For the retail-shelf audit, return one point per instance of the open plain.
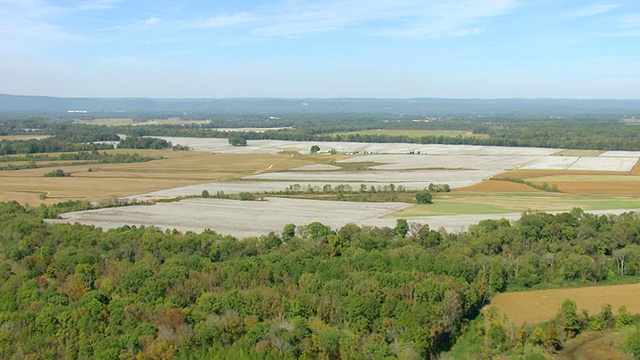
(273, 166)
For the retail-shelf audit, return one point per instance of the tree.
(402, 227)
(569, 319)
(314, 149)
(423, 197)
(237, 140)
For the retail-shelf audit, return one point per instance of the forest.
(75, 291)
(500, 131)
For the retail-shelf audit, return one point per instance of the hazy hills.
(40, 105)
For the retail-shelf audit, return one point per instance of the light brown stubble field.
(178, 168)
(533, 307)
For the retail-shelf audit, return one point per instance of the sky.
(321, 48)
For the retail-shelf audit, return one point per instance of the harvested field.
(575, 152)
(179, 168)
(317, 167)
(533, 307)
(498, 186)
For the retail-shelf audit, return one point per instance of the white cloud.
(409, 17)
(40, 20)
(220, 21)
(151, 21)
(97, 5)
(595, 9)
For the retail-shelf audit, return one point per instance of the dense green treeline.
(76, 291)
(78, 158)
(549, 134)
(47, 145)
(566, 133)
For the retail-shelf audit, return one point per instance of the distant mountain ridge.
(40, 105)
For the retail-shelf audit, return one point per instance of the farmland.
(273, 166)
(325, 265)
(533, 307)
(105, 181)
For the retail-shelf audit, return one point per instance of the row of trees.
(568, 133)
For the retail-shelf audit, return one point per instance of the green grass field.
(497, 203)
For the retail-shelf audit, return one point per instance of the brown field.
(497, 186)
(533, 307)
(583, 153)
(178, 168)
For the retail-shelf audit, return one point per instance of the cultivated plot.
(533, 307)
(254, 218)
(455, 178)
(604, 162)
(240, 218)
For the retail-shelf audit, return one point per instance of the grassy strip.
(544, 187)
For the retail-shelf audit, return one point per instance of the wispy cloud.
(150, 21)
(629, 21)
(626, 26)
(40, 20)
(429, 18)
(97, 5)
(595, 9)
(220, 21)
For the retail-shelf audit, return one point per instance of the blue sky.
(321, 48)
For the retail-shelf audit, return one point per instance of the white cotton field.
(276, 146)
(455, 165)
(445, 161)
(240, 218)
(254, 218)
(597, 163)
(235, 187)
(455, 178)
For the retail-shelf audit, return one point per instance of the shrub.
(57, 173)
(423, 197)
